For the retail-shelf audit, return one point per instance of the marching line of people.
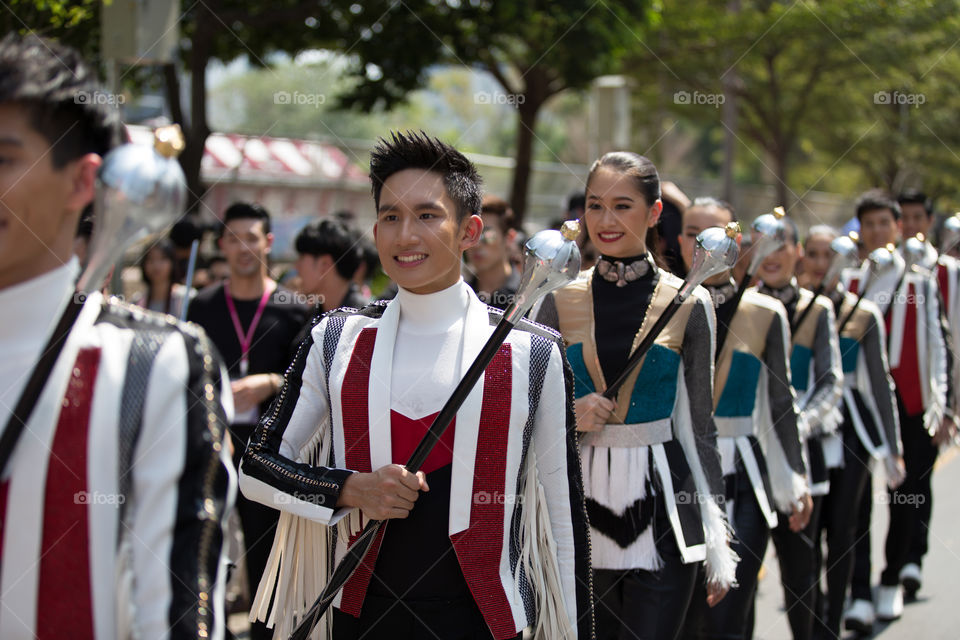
(551, 507)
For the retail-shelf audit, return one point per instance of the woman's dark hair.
(646, 180)
(166, 247)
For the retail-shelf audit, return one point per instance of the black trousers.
(909, 500)
(797, 555)
(728, 619)
(645, 605)
(259, 524)
(392, 619)
(848, 485)
(860, 584)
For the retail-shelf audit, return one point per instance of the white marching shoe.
(860, 617)
(911, 579)
(889, 602)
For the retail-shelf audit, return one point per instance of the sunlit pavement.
(935, 615)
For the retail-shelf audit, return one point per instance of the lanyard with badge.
(246, 339)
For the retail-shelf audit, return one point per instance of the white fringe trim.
(830, 424)
(787, 485)
(298, 566)
(932, 418)
(539, 560)
(721, 562)
(622, 482)
(125, 579)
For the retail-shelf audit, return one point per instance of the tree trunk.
(729, 82)
(197, 137)
(729, 116)
(195, 131)
(780, 163)
(526, 126)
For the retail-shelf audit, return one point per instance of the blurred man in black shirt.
(253, 323)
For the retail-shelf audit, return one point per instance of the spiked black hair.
(61, 96)
(412, 150)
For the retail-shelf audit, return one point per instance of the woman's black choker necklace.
(786, 294)
(620, 272)
(721, 293)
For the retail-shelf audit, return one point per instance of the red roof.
(265, 159)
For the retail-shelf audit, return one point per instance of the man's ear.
(325, 263)
(511, 236)
(470, 230)
(655, 210)
(83, 181)
(269, 242)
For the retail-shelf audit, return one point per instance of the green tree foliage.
(808, 80)
(75, 23)
(535, 50)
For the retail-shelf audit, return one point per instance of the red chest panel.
(907, 373)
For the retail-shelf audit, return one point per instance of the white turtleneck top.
(429, 344)
(31, 309)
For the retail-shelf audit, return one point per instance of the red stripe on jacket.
(356, 436)
(907, 374)
(65, 593)
(480, 545)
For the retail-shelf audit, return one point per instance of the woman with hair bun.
(651, 468)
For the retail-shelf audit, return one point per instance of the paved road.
(936, 613)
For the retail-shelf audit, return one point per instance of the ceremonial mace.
(879, 262)
(715, 252)
(139, 190)
(551, 260)
(769, 234)
(950, 234)
(914, 252)
(845, 255)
